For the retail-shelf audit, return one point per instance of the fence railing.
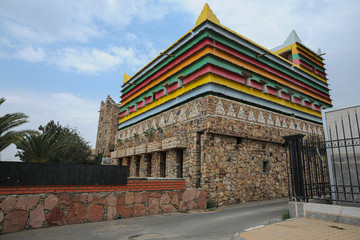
(325, 170)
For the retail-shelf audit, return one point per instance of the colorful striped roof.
(214, 59)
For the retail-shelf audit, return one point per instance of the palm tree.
(8, 122)
(39, 147)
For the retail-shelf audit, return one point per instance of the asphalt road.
(221, 223)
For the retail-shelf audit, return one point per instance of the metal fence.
(326, 170)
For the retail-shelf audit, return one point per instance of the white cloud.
(48, 21)
(31, 54)
(94, 61)
(90, 61)
(65, 108)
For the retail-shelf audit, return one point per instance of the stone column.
(171, 157)
(155, 164)
(192, 161)
(143, 166)
(132, 167)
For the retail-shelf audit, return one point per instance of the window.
(162, 164)
(137, 166)
(180, 161)
(101, 118)
(287, 55)
(266, 166)
(99, 135)
(148, 166)
(238, 140)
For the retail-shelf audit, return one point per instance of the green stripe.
(272, 64)
(308, 61)
(165, 62)
(237, 47)
(223, 64)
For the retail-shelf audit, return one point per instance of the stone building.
(213, 108)
(107, 127)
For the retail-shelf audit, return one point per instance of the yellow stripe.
(295, 50)
(294, 46)
(229, 58)
(169, 72)
(211, 78)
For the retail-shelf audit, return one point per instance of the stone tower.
(107, 127)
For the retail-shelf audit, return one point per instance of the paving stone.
(175, 200)
(139, 210)
(138, 197)
(56, 217)
(168, 208)
(155, 195)
(154, 206)
(192, 205)
(124, 211)
(64, 201)
(95, 212)
(129, 198)
(146, 197)
(50, 202)
(80, 198)
(99, 200)
(15, 221)
(120, 199)
(27, 202)
(111, 200)
(76, 213)
(37, 217)
(8, 204)
(111, 212)
(164, 199)
(188, 195)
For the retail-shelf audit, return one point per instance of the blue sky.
(59, 59)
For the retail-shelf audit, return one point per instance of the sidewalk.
(301, 228)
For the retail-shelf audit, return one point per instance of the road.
(221, 223)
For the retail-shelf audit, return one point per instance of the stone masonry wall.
(232, 150)
(30, 211)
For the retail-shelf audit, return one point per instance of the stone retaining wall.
(30, 211)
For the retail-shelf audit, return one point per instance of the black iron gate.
(325, 170)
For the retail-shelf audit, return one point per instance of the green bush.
(210, 203)
(285, 215)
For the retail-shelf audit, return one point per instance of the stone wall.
(232, 150)
(30, 211)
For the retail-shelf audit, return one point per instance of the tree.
(77, 150)
(7, 123)
(39, 147)
(56, 144)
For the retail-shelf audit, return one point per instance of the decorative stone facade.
(107, 127)
(232, 150)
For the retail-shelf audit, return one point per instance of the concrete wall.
(333, 213)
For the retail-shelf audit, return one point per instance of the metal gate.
(325, 170)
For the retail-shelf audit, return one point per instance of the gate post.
(294, 145)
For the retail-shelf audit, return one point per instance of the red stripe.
(228, 50)
(167, 67)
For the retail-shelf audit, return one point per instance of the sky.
(60, 59)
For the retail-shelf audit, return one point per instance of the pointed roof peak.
(207, 14)
(126, 77)
(292, 38)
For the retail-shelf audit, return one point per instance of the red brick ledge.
(133, 184)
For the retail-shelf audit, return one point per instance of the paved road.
(219, 224)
